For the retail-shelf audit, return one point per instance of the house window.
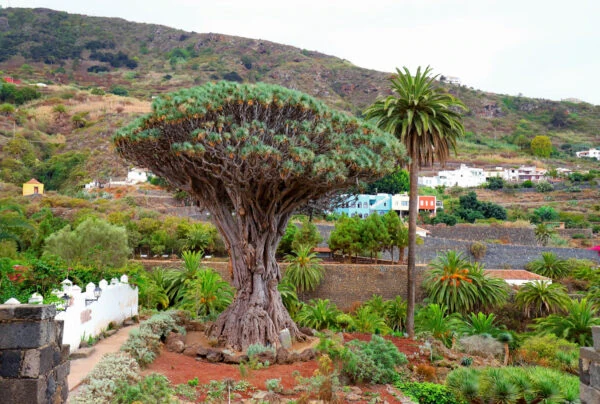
(385, 204)
(36, 190)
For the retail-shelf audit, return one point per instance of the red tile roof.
(33, 181)
(515, 274)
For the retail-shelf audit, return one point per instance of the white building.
(591, 153)
(464, 177)
(137, 175)
(524, 173)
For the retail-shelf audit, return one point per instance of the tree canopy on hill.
(252, 154)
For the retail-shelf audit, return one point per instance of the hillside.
(82, 57)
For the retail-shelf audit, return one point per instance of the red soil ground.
(179, 369)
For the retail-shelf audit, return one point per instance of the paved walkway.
(81, 367)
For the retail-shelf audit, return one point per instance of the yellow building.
(33, 187)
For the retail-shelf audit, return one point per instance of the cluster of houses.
(468, 177)
(363, 205)
(591, 153)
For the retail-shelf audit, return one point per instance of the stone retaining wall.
(344, 284)
(33, 363)
(523, 236)
(498, 256)
(589, 371)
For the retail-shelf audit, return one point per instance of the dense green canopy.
(256, 134)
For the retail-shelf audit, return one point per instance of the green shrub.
(256, 349)
(543, 187)
(478, 250)
(154, 388)
(527, 184)
(274, 385)
(372, 362)
(101, 383)
(428, 393)
(143, 343)
(512, 385)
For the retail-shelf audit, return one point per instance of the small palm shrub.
(435, 320)
(318, 314)
(372, 362)
(304, 270)
(512, 385)
(539, 298)
(395, 313)
(479, 323)
(176, 278)
(550, 266)
(206, 294)
(369, 321)
(575, 326)
(289, 297)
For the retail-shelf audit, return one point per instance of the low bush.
(154, 388)
(100, 385)
(428, 393)
(372, 362)
(256, 349)
(549, 350)
(481, 345)
(512, 385)
(478, 250)
(143, 344)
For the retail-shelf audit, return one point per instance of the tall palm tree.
(462, 286)
(428, 122)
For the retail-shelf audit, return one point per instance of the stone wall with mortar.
(589, 371)
(507, 235)
(344, 284)
(33, 363)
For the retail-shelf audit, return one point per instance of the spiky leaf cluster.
(265, 136)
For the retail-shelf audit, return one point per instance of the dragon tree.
(251, 155)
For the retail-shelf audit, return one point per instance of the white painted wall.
(118, 302)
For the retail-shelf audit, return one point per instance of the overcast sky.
(540, 48)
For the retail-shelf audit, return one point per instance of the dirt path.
(81, 367)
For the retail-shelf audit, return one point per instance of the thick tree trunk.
(413, 206)
(257, 314)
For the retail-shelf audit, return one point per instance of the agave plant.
(318, 314)
(575, 326)
(207, 294)
(540, 298)
(550, 265)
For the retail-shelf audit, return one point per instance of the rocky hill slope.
(82, 57)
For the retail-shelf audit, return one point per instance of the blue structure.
(363, 205)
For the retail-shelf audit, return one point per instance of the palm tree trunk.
(413, 206)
